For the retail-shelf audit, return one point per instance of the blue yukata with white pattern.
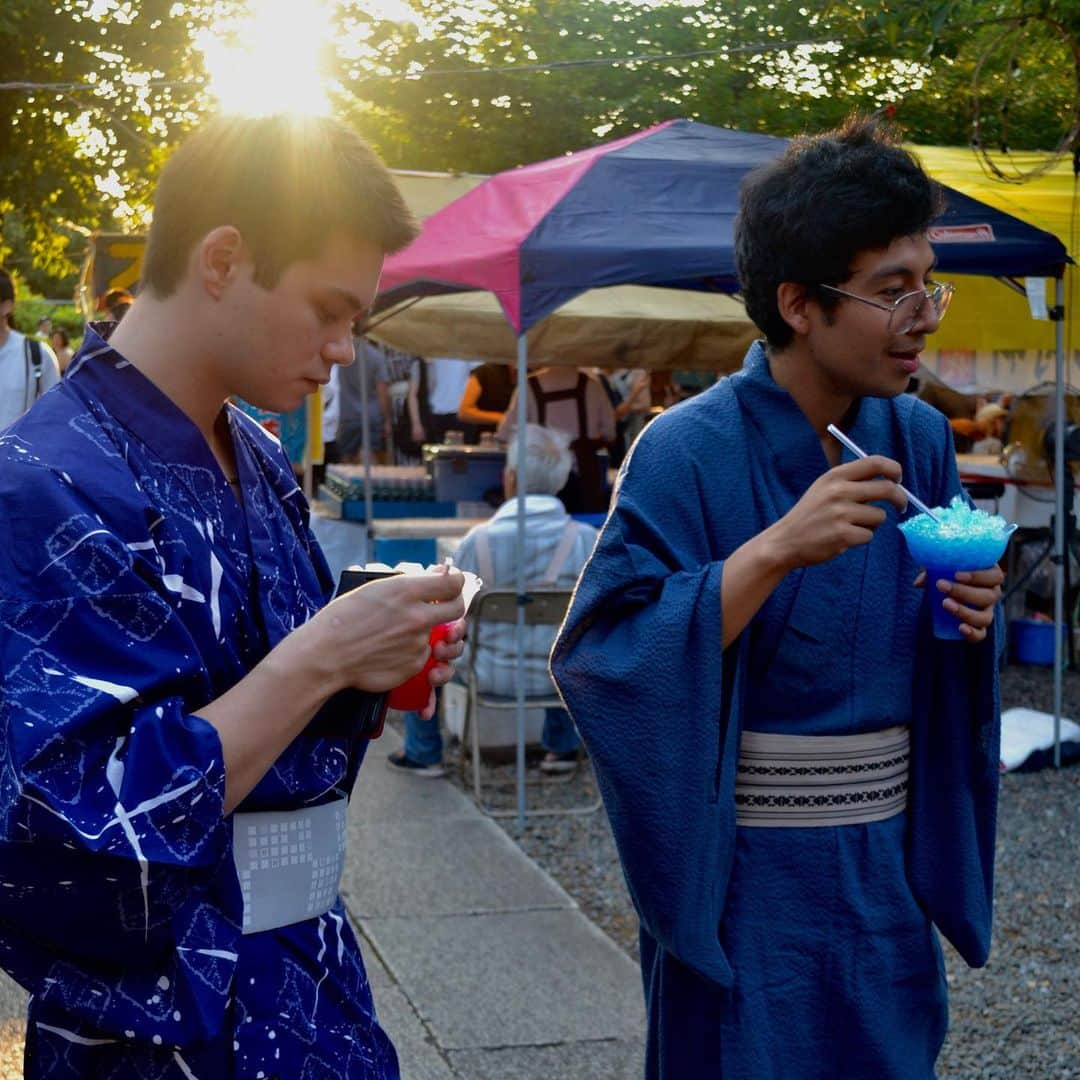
(134, 589)
(781, 953)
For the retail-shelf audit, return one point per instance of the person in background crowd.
(182, 699)
(27, 366)
(556, 548)
(486, 396)
(964, 432)
(435, 389)
(351, 394)
(331, 416)
(633, 388)
(393, 371)
(117, 302)
(801, 778)
(44, 328)
(990, 421)
(574, 402)
(687, 384)
(61, 348)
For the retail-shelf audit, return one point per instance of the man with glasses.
(801, 779)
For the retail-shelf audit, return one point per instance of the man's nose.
(928, 319)
(339, 350)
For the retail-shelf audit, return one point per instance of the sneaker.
(553, 764)
(400, 763)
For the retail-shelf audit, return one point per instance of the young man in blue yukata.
(184, 713)
(801, 779)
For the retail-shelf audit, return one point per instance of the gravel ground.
(1013, 1020)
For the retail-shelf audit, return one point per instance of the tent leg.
(522, 599)
(365, 444)
(1062, 475)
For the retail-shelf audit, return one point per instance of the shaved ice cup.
(965, 539)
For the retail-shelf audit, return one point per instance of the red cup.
(412, 695)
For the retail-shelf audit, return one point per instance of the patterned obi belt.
(802, 781)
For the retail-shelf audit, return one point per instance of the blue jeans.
(423, 740)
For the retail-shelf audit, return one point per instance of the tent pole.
(365, 442)
(1062, 475)
(522, 599)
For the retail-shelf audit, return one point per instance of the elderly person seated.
(556, 549)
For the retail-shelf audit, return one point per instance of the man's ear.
(218, 257)
(793, 301)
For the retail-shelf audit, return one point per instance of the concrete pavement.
(481, 965)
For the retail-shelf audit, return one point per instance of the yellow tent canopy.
(990, 339)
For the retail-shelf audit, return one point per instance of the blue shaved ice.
(966, 538)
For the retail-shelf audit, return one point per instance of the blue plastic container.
(1031, 641)
(394, 549)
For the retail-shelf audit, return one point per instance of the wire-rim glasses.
(904, 311)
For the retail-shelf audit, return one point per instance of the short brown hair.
(286, 183)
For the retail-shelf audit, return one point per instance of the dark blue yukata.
(134, 589)
(781, 953)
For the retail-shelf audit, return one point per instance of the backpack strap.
(541, 400)
(32, 363)
(484, 564)
(561, 554)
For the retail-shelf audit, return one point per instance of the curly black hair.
(806, 216)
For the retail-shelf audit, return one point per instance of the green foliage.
(108, 113)
(917, 60)
(64, 316)
(511, 81)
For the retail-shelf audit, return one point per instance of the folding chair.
(546, 607)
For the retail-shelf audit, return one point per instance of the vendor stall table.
(1029, 505)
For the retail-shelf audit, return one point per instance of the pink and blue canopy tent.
(654, 208)
(658, 208)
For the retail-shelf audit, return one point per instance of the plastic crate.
(393, 550)
(355, 510)
(465, 473)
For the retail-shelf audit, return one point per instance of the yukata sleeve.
(956, 741)
(112, 834)
(639, 664)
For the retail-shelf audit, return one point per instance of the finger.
(855, 536)
(444, 611)
(425, 588)
(436, 586)
(456, 632)
(869, 467)
(428, 711)
(440, 674)
(877, 491)
(972, 634)
(993, 575)
(868, 517)
(448, 650)
(980, 618)
(920, 580)
(971, 594)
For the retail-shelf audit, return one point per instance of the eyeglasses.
(905, 311)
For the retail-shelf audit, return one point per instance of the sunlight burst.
(269, 59)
